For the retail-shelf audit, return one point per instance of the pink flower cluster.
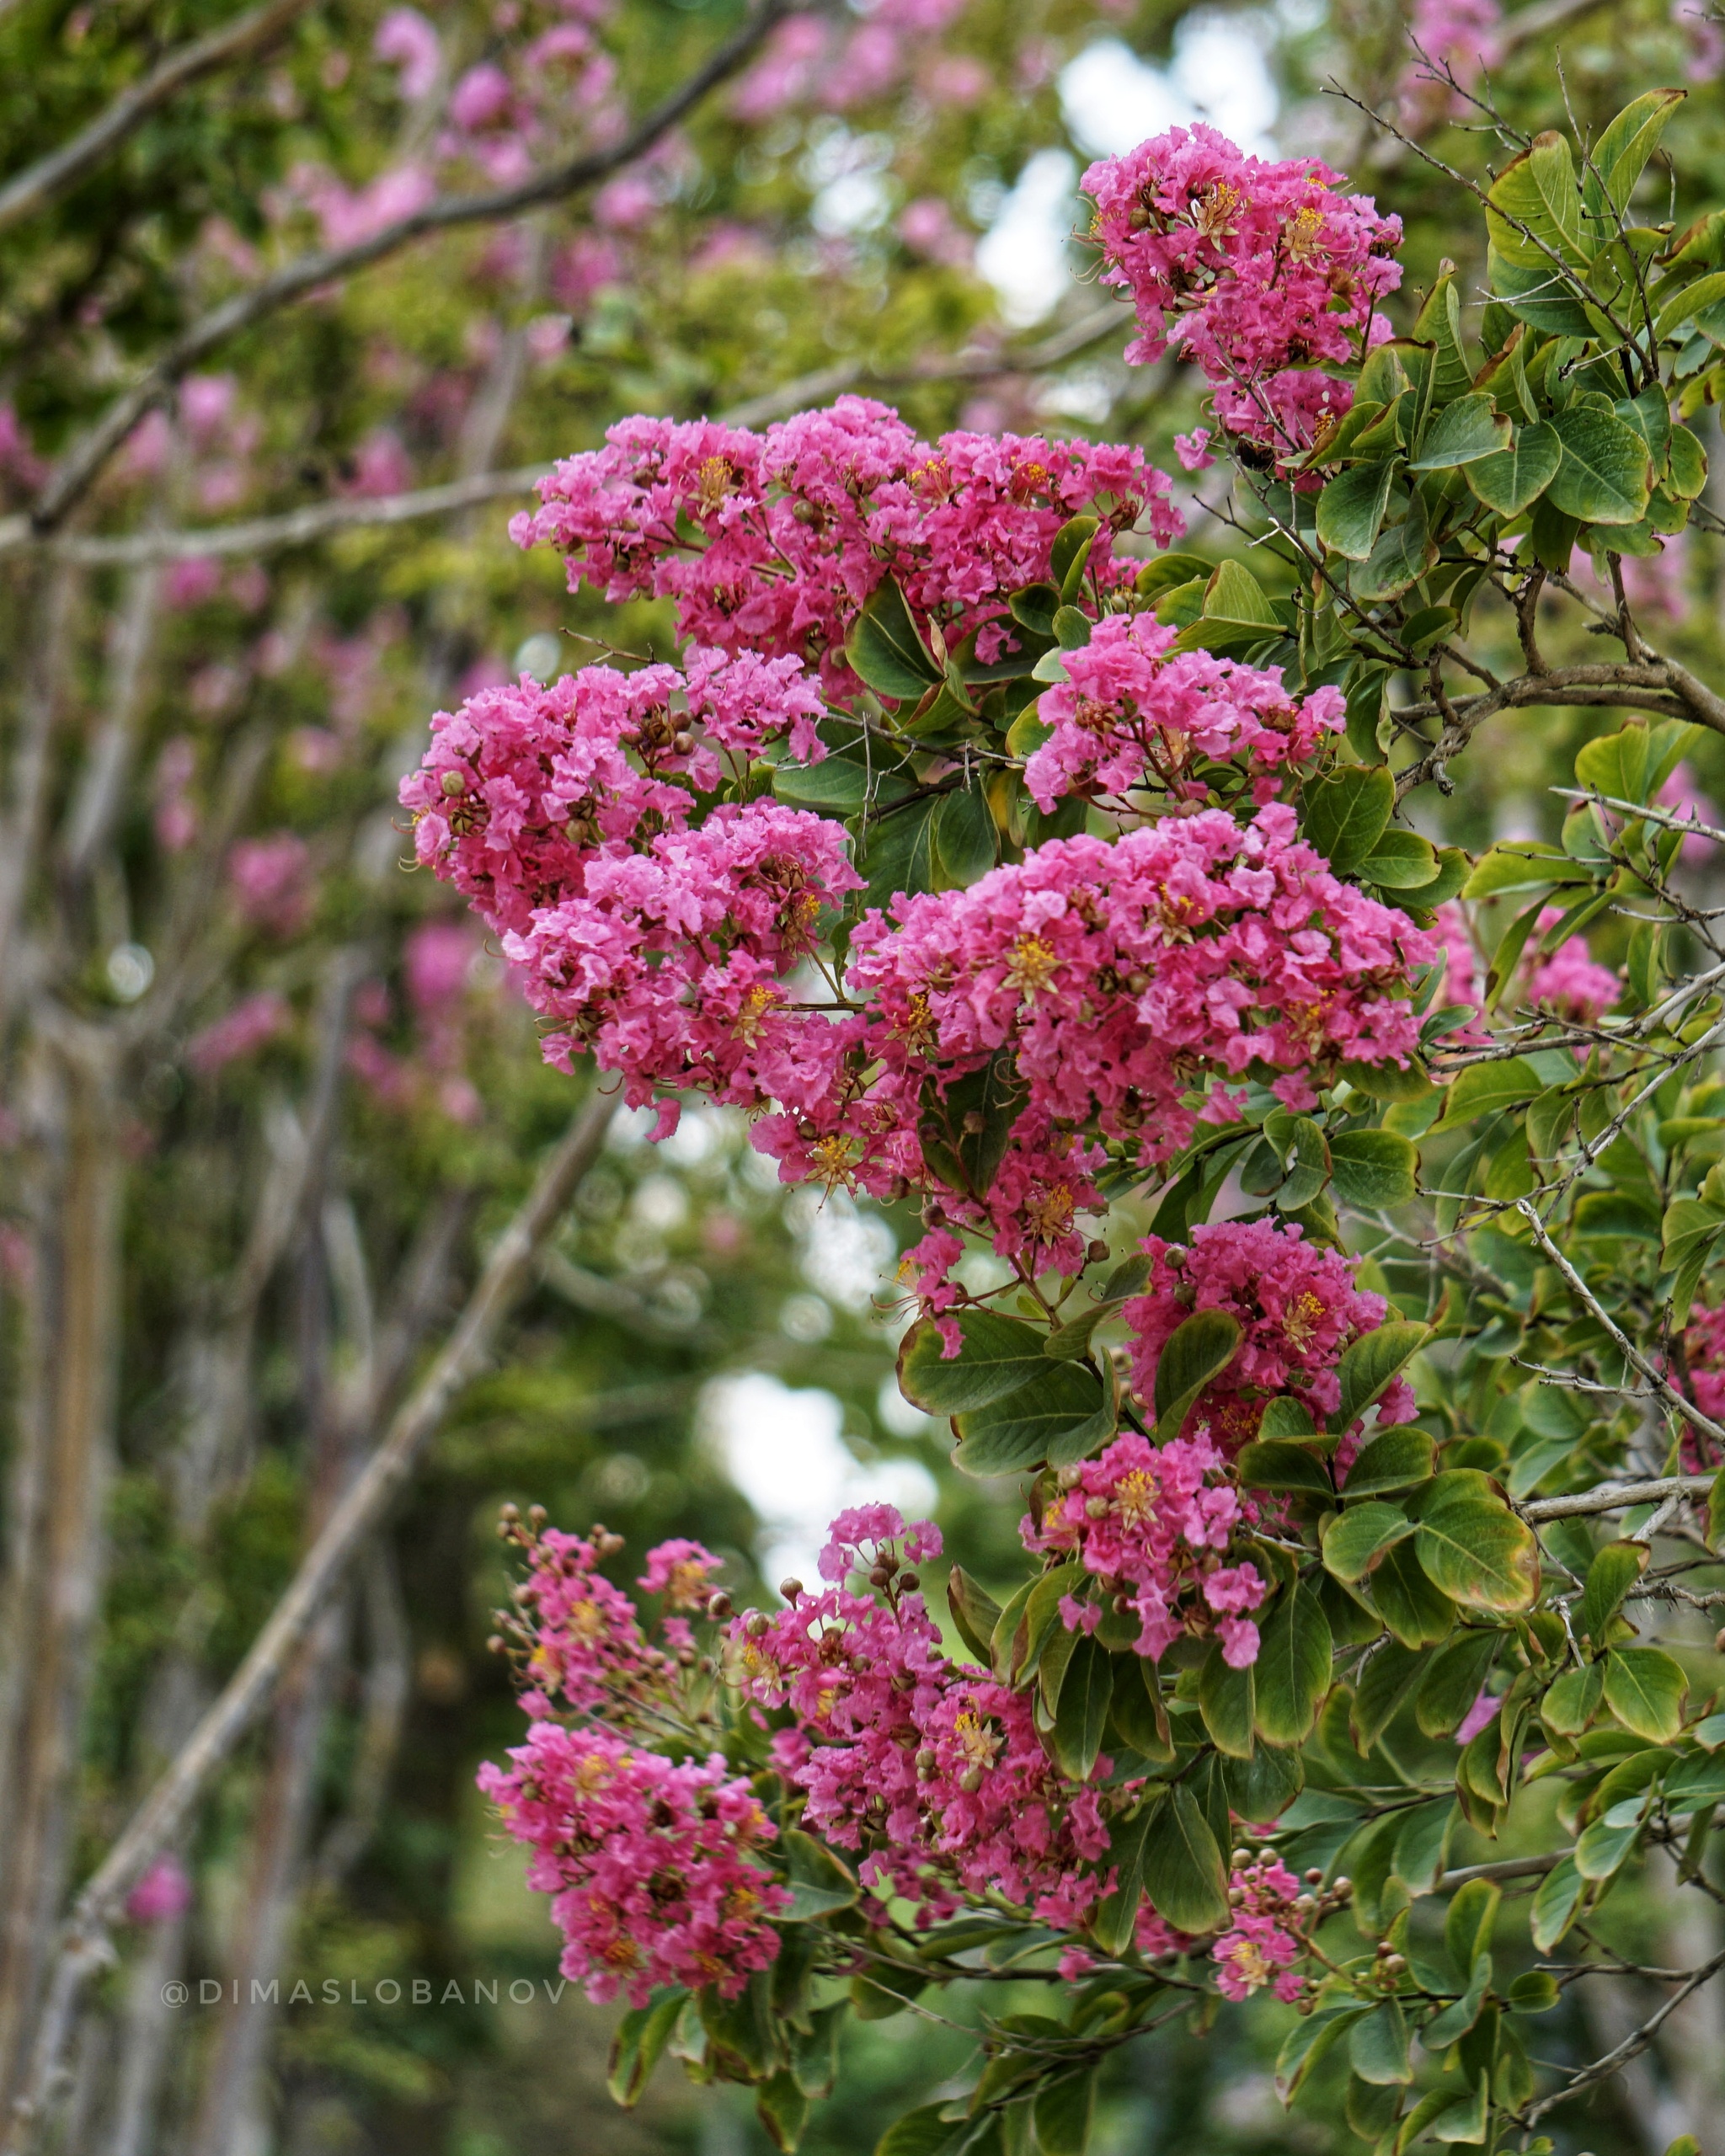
(1704, 1351)
(648, 1861)
(1129, 716)
(1151, 1523)
(1299, 1312)
(1260, 272)
(929, 1765)
(1265, 1940)
(589, 1655)
(773, 542)
(1570, 983)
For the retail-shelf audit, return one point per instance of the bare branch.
(84, 1945)
(1615, 1496)
(78, 469)
(37, 185)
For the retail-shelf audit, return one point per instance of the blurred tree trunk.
(65, 1447)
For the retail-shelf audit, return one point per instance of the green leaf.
(974, 1612)
(1512, 478)
(1377, 2046)
(1389, 1081)
(1523, 865)
(1466, 431)
(996, 1356)
(636, 2048)
(1069, 553)
(1486, 1088)
(1285, 1417)
(1016, 1432)
(1062, 2111)
(1533, 206)
(924, 2131)
(1083, 1711)
(1606, 474)
(1113, 1922)
(965, 838)
(1237, 612)
(1571, 1703)
(1604, 1846)
(1369, 1364)
(1224, 1700)
(1423, 1842)
(1404, 551)
(1166, 573)
(1647, 1691)
(1688, 465)
(885, 648)
(1395, 1458)
(1294, 1669)
(1372, 1168)
(1305, 2044)
(1198, 1349)
(1350, 510)
(897, 853)
(1263, 1786)
(1184, 1874)
(1452, 1683)
(967, 1124)
(820, 1882)
(1620, 155)
(1418, 1612)
(1403, 861)
(1539, 294)
(1473, 1547)
(1556, 1904)
(1354, 1538)
(1343, 814)
(1387, 1679)
(782, 2109)
(1274, 1464)
(1614, 1571)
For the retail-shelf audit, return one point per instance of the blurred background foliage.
(699, 1355)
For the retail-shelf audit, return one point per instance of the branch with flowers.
(1355, 1220)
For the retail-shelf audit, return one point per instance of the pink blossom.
(241, 1033)
(1150, 1519)
(1193, 449)
(190, 582)
(648, 1861)
(161, 1893)
(1480, 1715)
(437, 960)
(405, 39)
(481, 98)
(269, 878)
(382, 466)
(678, 1570)
(176, 818)
(1704, 37)
(927, 227)
(1568, 982)
(1257, 272)
(1264, 1941)
(1298, 1309)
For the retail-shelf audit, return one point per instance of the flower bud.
(1314, 1877)
(1097, 1252)
(757, 1627)
(880, 1575)
(1241, 1858)
(453, 784)
(1394, 1964)
(970, 1780)
(494, 1645)
(908, 1583)
(790, 1590)
(1122, 1604)
(1343, 1888)
(926, 1762)
(537, 1516)
(718, 1605)
(1236, 1896)
(683, 744)
(1095, 1508)
(1070, 1476)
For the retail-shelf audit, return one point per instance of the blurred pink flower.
(176, 819)
(190, 583)
(581, 267)
(268, 879)
(206, 401)
(785, 72)
(1706, 40)
(871, 62)
(164, 1892)
(405, 39)
(955, 78)
(927, 228)
(481, 98)
(381, 465)
(435, 962)
(347, 215)
(243, 1031)
(627, 202)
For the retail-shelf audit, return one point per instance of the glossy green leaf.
(1199, 1348)
(638, 2044)
(974, 1612)
(1343, 815)
(1372, 1168)
(1351, 509)
(1016, 1432)
(1378, 2045)
(1082, 1713)
(1620, 156)
(1467, 430)
(1486, 1088)
(1453, 1680)
(1472, 1547)
(996, 1356)
(1395, 1458)
(1062, 2112)
(1237, 612)
(1404, 551)
(1511, 479)
(886, 649)
(1647, 1691)
(1224, 1700)
(1279, 1464)
(1369, 1365)
(1352, 1539)
(1556, 1904)
(1605, 475)
(965, 837)
(1294, 1668)
(1614, 1571)
(1183, 1873)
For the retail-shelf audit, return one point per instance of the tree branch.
(80, 466)
(37, 185)
(84, 1945)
